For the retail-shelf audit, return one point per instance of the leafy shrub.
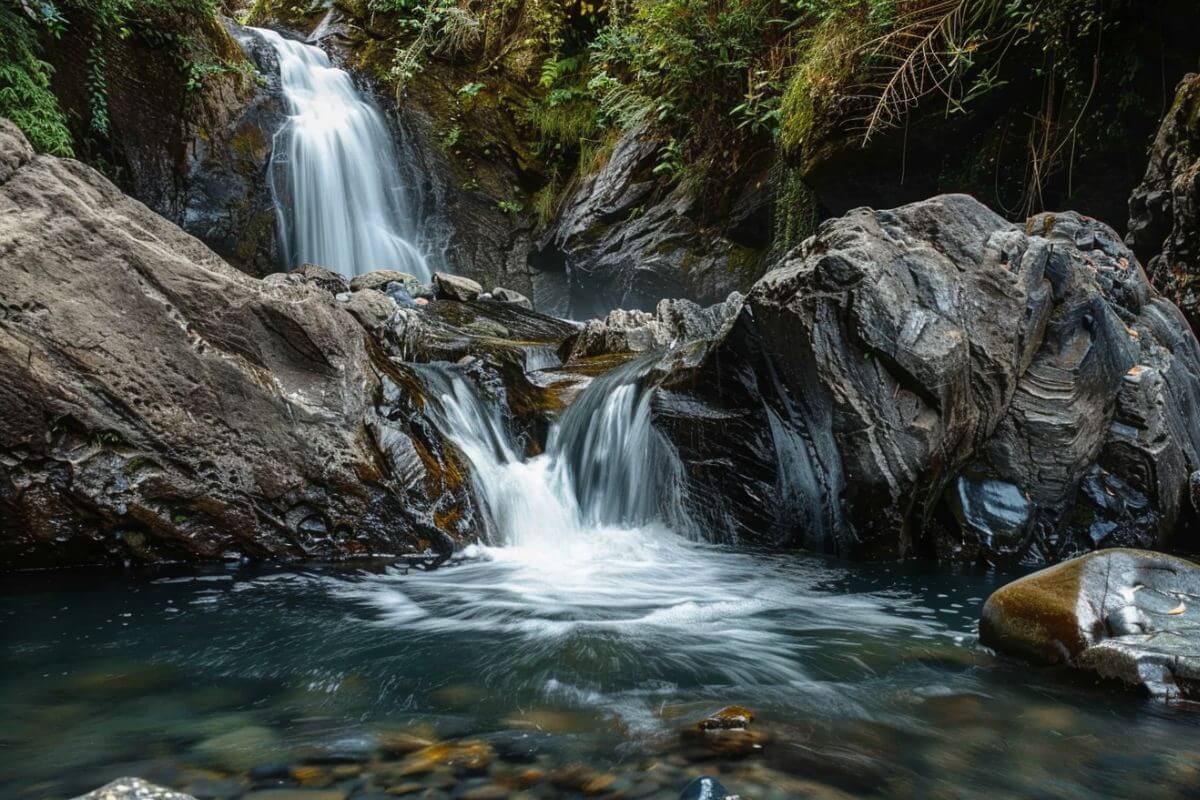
(25, 95)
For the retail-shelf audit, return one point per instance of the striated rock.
(456, 287)
(933, 380)
(133, 789)
(624, 244)
(1164, 211)
(160, 405)
(1128, 615)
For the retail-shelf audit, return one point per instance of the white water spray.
(338, 192)
(605, 469)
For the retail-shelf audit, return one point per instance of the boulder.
(380, 279)
(370, 307)
(456, 287)
(933, 380)
(673, 321)
(1127, 615)
(1164, 211)
(510, 296)
(324, 279)
(159, 405)
(133, 789)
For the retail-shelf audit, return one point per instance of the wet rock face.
(160, 405)
(624, 244)
(934, 381)
(1129, 615)
(672, 322)
(197, 155)
(224, 196)
(1164, 211)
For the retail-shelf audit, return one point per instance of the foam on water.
(586, 556)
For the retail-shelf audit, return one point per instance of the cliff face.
(192, 143)
(1164, 211)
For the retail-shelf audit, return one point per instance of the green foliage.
(825, 63)
(25, 95)
(470, 89)
(796, 214)
(690, 64)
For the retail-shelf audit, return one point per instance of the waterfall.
(334, 175)
(604, 468)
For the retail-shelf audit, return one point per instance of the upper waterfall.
(334, 175)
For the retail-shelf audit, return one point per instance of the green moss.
(825, 65)
(796, 214)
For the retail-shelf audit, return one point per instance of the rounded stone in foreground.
(133, 789)
(1129, 615)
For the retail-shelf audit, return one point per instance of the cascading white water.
(338, 191)
(604, 468)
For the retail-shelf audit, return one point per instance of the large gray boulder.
(933, 380)
(1128, 615)
(1164, 211)
(160, 405)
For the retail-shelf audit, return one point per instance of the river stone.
(159, 405)
(704, 788)
(933, 380)
(728, 718)
(456, 287)
(333, 282)
(1124, 614)
(380, 278)
(370, 307)
(511, 296)
(1164, 211)
(133, 789)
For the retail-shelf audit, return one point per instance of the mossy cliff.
(600, 155)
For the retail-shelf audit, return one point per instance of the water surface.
(868, 679)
